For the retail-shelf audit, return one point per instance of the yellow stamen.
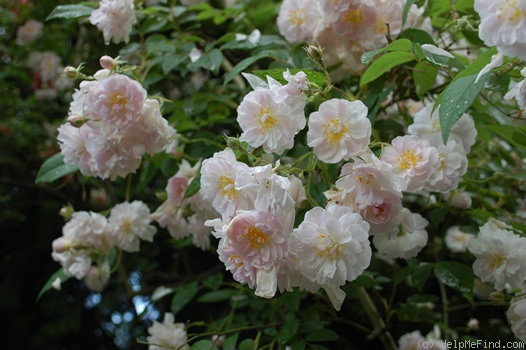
(256, 237)
(496, 260)
(226, 187)
(266, 118)
(296, 17)
(408, 160)
(334, 130)
(328, 247)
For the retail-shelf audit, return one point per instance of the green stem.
(379, 325)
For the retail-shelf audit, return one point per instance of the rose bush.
(286, 174)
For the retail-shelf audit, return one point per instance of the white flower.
(167, 335)
(296, 20)
(130, 222)
(457, 240)
(115, 18)
(405, 242)
(413, 159)
(218, 183)
(502, 25)
(98, 277)
(518, 91)
(500, 256)
(452, 165)
(426, 125)
(516, 315)
(270, 118)
(29, 32)
(331, 245)
(411, 341)
(339, 130)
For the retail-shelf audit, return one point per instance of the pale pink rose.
(98, 277)
(241, 269)
(258, 237)
(117, 100)
(167, 335)
(413, 159)
(366, 180)
(452, 165)
(518, 91)
(502, 25)
(339, 130)
(426, 125)
(115, 18)
(331, 245)
(155, 132)
(129, 223)
(218, 183)
(72, 142)
(406, 241)
(457, 240)
(500, 255)
(296, 84)
(516, 316)
(385, 216)
(270, 120)
(30, 31)
(297, 20)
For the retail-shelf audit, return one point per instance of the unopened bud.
(497, 297)
(71, 73)
(66, 212)
(473, 324)
(107, 62)
(76, 120)
(315, 52)
(218, 340)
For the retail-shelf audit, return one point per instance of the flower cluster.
(111, 125)
(83, 249)
(48, 77)
(115, 18)
(344, 29)
(167, 335)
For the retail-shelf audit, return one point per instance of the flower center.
(495, 261)
(127, 226)
(256, 237)
(408, 160)
(354, 16)
(296, 17)
(334, 130)
(226, 187)
(328, 247)
(511, 11)
(117, 99)
(266, 119)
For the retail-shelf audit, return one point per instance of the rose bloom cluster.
(257, 206)
(345, 29)
(84, 247)
(115, 18)
(111, 125)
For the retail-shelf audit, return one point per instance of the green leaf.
(424, 76)
(194, 186)
(420, 275)
(183, 295)
(54, 168)
(247, 344)
(244, 64)
(288, 330)
(384, 64)
(402, 45)
(218, 295)
(455, 275)
(440, 57)
(70, 12)
(457, 97)
(49, 284)
(211, 60)
(513, 134)
(322, 335)
(230, 342)
(203, 344)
